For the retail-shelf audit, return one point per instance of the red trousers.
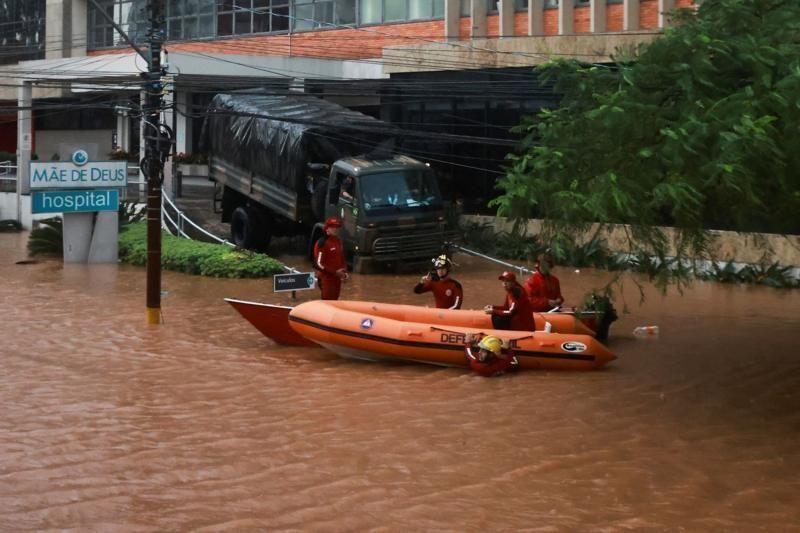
(330, 285)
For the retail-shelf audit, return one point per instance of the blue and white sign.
(367, 323)
(73, 175)
(75, 201)
(80, 157)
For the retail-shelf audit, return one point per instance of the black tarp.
(276, 136)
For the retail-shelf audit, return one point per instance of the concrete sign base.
(91, 237)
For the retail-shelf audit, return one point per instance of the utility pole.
(153, 161)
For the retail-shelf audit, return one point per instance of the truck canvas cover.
(275, 136)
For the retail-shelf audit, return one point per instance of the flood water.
(202, 423)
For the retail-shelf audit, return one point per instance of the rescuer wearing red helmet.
(447, 292)
(329, 260)
(516, 313)
(543, 288)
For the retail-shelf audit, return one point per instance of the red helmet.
(507, 276)
(333, 222)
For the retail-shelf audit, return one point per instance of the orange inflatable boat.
(377, 331)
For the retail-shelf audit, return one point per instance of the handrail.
(165, 201)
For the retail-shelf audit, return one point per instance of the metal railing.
(176, 223)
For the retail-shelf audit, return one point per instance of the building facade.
(456, 66)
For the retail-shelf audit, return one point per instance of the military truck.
(287, 163)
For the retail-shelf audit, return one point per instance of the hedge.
(195, 257)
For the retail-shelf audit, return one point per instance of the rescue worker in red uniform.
(543, 288)
(329, 261)
(489, 360)
(447, 292)
(516, 313)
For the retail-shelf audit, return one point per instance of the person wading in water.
(329, 261)
(447, 292)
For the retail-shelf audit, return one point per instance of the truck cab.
(391, 210)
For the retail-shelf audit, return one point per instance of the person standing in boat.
(487, 358)
(516, 313)
(543, 288)
(447, 292)
(329, 260)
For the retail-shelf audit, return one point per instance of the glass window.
(438, 8)
(394, 10)
(345, 11)
(520, 5)
(465, 7)
(419, 9)
(371, 11)
(491, 6)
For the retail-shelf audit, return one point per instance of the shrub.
(47, 238)
(195, 257)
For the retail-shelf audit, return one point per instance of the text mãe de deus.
(77, 175)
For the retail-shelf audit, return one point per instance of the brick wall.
(582, 19)
(648, 15)
(551, 21)
(614, 17)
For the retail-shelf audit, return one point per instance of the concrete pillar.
(535, 17)
(104, 245)
(477, 13)
(506, 18)
(597, 16)
(58, 29)
(80, 37)
(452, 19)
(24, 143)
(630, 15)
(566, 13)
(183, 121)
(78, 229)
(664, 7)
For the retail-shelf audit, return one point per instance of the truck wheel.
(249, 229)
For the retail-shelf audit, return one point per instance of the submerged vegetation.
(696, 131)
(47, 237)
(195, 257)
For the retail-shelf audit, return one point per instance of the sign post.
(296, 281)
(87, 193)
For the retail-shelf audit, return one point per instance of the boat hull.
(271, 320)
(364, 330)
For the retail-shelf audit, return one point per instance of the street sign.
(81, 201)
(301, 281)
(78, 174)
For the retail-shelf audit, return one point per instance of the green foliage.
(699, 132)
(47, 238)
(195, 257)
(772, 275)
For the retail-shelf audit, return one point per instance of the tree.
(699, 130)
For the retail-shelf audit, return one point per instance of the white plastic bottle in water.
(645, 331)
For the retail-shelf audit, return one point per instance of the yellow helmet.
(491, 343)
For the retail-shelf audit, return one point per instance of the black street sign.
(301, 281)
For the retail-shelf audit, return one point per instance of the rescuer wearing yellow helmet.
(490, 360)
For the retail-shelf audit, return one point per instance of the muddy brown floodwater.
(202, 423)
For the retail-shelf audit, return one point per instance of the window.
(377, 11)
(310, 14)
(190, 19)
(520, 5)
(130, 16)
(242, 17)
(492, 7)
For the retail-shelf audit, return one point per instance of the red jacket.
(494, 367)
(518, 307)
(447, 292)
(540, 289)
(329, 256)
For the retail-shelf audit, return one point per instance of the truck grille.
(414, 246)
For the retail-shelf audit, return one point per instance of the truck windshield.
(399, 189)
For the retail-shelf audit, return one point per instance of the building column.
(477, 14)
(80, 37)
(506, 18)
(24, 142)
(535, 17)
(630, 15)
(664, 7)
(597, 16)
(566, 13)
(452, 19)
(183, 121)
